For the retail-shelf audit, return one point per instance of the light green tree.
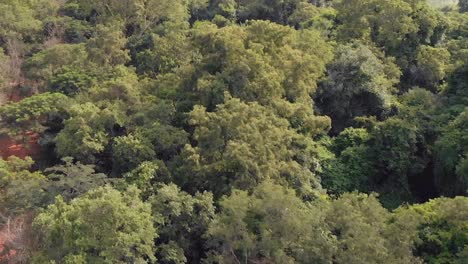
(108, 47)
(15, 177)
(272, 64)
(31, 113)
(129, 151)
(18, 19)
(399, 27)
(270, 225)
(433, 64)
(363, 233)
(102, 226)
(49, 62)
(86, 131)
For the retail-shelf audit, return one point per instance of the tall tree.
(241, 145)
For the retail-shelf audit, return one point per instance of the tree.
(441, 229)
(182, 222)
(18, 20)
(463, 5)
(451, 154)
(144, 15)
(109, 11)
(394, 144)
(165, 53)
(355, 13)
(457, 79)
(18, 207)
(15, 176)
(308, 15)
(51, 61)
(72, 179)
(31, 114)
(176, 12)
(276, 11)
(86, 132)
(266, 61)
(363, 232)
(274, 65)
(240, 145)
(242, 10)
(234, 131)
(129, 151)
(167, 140)
(118, 83)
(148, 176)
(390, 156)
(402, 136)
(107, 47)
(432, 67)
(5, 75)
(353, 165)
(104, 226)
(360, 82)
(271, 225)
(399, 27)
(71, 81)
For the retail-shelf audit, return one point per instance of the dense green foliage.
(234, 131)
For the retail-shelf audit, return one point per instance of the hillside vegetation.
(233, 131)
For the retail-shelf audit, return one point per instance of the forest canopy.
(233, 131)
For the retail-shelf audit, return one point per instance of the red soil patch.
(14, 97)
(20, 148)
(15, 239)
(5, 255)
(28, 147)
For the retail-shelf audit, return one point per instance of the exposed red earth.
(11, 147)
(20, 148)
(4, 256)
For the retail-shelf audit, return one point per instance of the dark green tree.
(463, 5)
(182, 222)
(451, 151)
(440, 228)
(72, 179)
(360, 82)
